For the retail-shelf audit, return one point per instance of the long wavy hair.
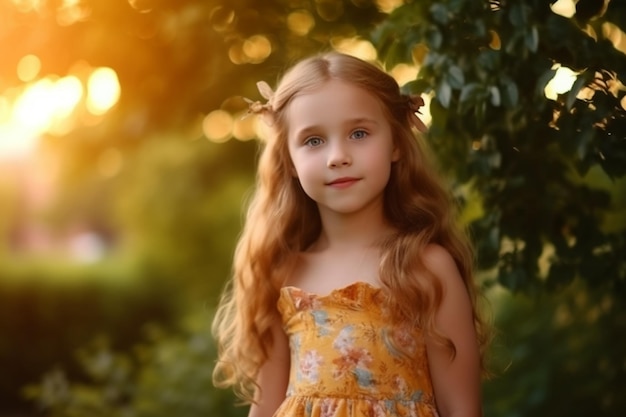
(283, 221)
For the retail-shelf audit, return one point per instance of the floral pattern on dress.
(347, 361)
(310, 364)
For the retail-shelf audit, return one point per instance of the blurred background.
(126, 158)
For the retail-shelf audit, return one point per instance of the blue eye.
(358, 134)
(313, 142)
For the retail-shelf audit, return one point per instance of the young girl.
(352, 292)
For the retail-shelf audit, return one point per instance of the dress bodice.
(348, 360)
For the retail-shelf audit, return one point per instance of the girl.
(352, 292)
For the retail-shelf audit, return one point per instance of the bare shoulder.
(441, 264)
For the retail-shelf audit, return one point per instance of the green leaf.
(581, 81)
(418, 86)
(494, 94)
(455, 77)
(513, 279)
(583, 139)
(561, 274)
(470, 92)
(532, 39)
(440, 13)
(543, 80)
(434, 38)
(517, 14)
(444, 94)
(510, 94)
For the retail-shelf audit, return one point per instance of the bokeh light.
(71, 11)
(244, 126)
(355, 46)
(26, 6)
(218, 126)
(49, 105)
(28, 68)
(389, 6)
(300, 22)
(329, 10)
(257, 48)
(103, 91)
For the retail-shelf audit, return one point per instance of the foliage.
(169, 376)
(48, 310)
(545, 172)
(179, 208)
(560, 354)
(487, 64)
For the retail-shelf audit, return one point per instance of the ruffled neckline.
(355, 293)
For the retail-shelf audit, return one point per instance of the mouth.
(343, 182)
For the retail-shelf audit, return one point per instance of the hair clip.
(265, 90)
(415, 102)
(257, 107)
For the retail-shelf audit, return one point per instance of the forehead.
(332, 104)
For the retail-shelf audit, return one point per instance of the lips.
(343, 182)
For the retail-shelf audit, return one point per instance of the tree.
(547, 174)
(525, 155)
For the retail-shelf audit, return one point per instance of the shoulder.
(440, 263)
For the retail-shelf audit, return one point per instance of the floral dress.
(346, 360)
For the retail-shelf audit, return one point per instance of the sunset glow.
(50, 104)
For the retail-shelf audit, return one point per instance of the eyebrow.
(354, 121)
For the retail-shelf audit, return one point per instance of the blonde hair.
(283, 221)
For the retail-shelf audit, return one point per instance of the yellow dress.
(345, 360)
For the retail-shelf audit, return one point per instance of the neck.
(352, 231)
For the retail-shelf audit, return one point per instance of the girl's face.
(341, 147)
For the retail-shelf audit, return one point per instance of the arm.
(273, 376)
(456, 381)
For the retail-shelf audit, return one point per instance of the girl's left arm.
(456, 379)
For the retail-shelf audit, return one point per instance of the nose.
(338, 155)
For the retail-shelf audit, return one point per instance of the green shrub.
(560, 354)
(49, 310)
(169, 376)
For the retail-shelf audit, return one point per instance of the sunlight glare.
(103, 90)
(617, 37)
(565, 8)
(35, 106)
(43, 106)
(67, 94)
(561, 83)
